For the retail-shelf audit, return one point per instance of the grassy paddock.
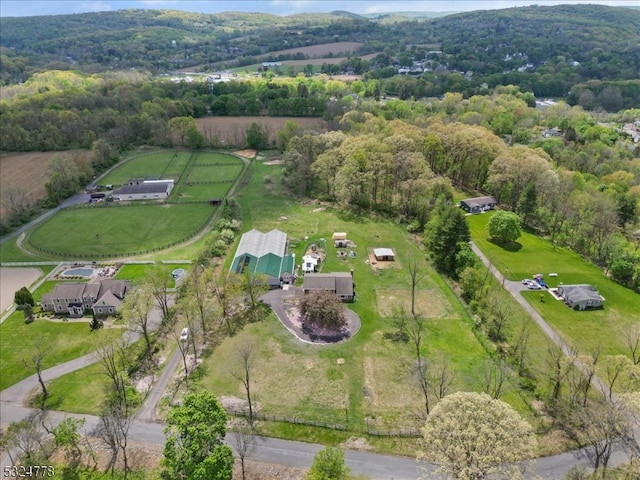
(584, 330)
(118, 231)
(157, 164)
(201, 191)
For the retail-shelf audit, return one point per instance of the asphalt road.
(269, 450)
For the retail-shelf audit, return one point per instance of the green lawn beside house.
(586, 330)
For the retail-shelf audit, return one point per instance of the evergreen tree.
(444, 237)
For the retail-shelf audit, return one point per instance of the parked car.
(534, 286)
(526, 281)
(184, 334)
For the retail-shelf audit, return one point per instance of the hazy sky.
(20, 8)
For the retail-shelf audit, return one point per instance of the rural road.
(300, 454)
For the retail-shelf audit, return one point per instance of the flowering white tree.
(471, 436)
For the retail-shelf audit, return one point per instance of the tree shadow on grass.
(508, 246)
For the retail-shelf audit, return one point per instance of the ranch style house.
(340, 283)
(581, 297)
(478, 204)
(103, 296)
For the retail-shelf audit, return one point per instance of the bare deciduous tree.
(200, 288)
(633, 342)
(115, 364)
(243, 441)
(521, 343)
(442, 377)
(159, 280)
(494, 376)
(416, 277)
(242, 372)
(35, 363)
(556, 370)
(113, 430)
(222, 291)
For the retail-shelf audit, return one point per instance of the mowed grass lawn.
(60, 341)
(586, 330)
(371, 386)
(118, 230)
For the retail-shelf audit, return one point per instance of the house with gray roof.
(478, 204)
(266, 254)
(581, 297)
(102, 296)
(340, 283)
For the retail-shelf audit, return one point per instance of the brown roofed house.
(340, 283)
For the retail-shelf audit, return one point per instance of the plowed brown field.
(232, 130)
(27, 171)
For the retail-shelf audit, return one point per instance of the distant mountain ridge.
(603, 42)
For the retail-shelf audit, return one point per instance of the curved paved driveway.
(278, 299)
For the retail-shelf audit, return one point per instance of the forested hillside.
(545, 50)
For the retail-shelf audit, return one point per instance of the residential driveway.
(515, 288)
(281, 300)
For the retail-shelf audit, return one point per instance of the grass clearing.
(428, 303)
(61, 341)
(584, 330)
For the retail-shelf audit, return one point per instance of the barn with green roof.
(265, 253)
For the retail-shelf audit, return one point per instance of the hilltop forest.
(550, 51)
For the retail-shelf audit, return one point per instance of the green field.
(61, 342)
(134, 228)
(202, 192)
(118, 230)
(163, 164)
(213, 173)
(585, 330)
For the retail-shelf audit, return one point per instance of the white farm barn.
(145, 190)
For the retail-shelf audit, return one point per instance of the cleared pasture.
(149, 165)
(118, 230)
(322, 50)
(232, 131)
(202, 192)
(213, 173)
(369, 386)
